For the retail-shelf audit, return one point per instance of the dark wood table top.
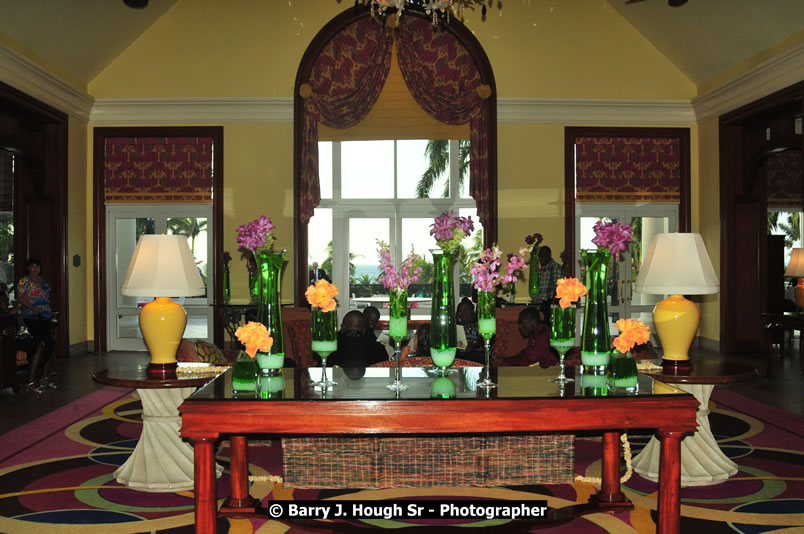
(788, 319)
(709, 372)
(131, 374)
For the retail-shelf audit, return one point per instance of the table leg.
(161, 461)
(239, 503)
(669, 505)
(610, 471)
(702, 461)
(205, 494)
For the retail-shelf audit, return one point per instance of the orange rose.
(569, 290)
(322, 295)
(632, 333)
(255, 337)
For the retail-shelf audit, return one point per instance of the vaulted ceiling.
(703, 38)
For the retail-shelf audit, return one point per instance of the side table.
(702, 461)
(161, 461)
(789, 320)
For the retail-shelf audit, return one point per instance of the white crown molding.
(190, 110)
(773, 75)
(25, 75)
(280, 109)
(596, 111)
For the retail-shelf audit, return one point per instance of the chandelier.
(438, 10)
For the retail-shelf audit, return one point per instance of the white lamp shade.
(162, 266)
(796, 266)
(677, 264)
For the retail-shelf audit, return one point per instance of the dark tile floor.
(74, 380)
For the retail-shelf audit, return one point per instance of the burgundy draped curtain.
(344, 85)
(348, 77)
(442, 77)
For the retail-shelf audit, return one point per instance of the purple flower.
(534, 239)
(486, 270)
(226, 257)
(614, 236)
(391, 278)
(565, 256)
(256, 235)
(449, 229)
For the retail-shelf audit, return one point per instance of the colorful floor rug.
(56, 476)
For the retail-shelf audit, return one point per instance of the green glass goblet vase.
(595, 340)
(486, 327)
(324, 341)
(562, 337)
(398, 330)
(244, 375)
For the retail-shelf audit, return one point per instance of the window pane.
(463, 169)
(325, 168)
(420, 175)
(367, 169)
(319, 239)
(195, 228)
(363, 261)
(470, 249)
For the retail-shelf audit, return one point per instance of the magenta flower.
(256, 235)
(614, 236)
(534, 239)
(391, 278)
(486, 270)
(450, 229)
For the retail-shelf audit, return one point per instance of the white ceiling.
(704, 38)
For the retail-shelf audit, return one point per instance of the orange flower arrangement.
(255, 337)
(322, 295)
(632, 333)
(569, 290)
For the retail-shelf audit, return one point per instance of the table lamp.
(676, 265)
(162, 267)
(795, 269)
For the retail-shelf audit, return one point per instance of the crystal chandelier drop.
(438, 10)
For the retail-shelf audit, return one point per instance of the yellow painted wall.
(707, 211)
(79, 278)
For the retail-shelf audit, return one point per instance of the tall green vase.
(534, 276)
(227, 292)
(595, 340)
(443, 329)
(269, 284)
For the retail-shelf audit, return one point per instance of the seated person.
(466, 317)
(372, 315)
(538, 349)
(420, 344)
(354, 348)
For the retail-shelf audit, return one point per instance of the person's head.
(528, 321)
(372, 315)
(354, 321)
(422, 340)
(545, 255)
(33, 266)
(466, 311)
(315, 266)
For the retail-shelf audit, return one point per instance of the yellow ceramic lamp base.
(162, 324)
(676, 320)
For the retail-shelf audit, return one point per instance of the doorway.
(125, 224)
(646, 220)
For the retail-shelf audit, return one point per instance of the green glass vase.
(398, 330)
(324, 340)
(244, 374)
(487, 327)
(534, 275)
(595, 339)
(227, 292)
(272, 387)
(269, 309)
(562, 336)
(443, 329)
(623, 375)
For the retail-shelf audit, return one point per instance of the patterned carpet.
(56, 476)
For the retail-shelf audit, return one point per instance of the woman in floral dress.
(33, 293)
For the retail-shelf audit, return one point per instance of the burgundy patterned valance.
(627, 169)
(442, 77)
(344, 84)
(158, 169)
(785, 180)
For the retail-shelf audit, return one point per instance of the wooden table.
(524, 401)
(788, 320)
(161, 461)
(702, 461)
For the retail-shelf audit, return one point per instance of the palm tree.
(189, 226)
(327, 263)
(363, 280)
(468, 255)
(437, 153)
(791, 228)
